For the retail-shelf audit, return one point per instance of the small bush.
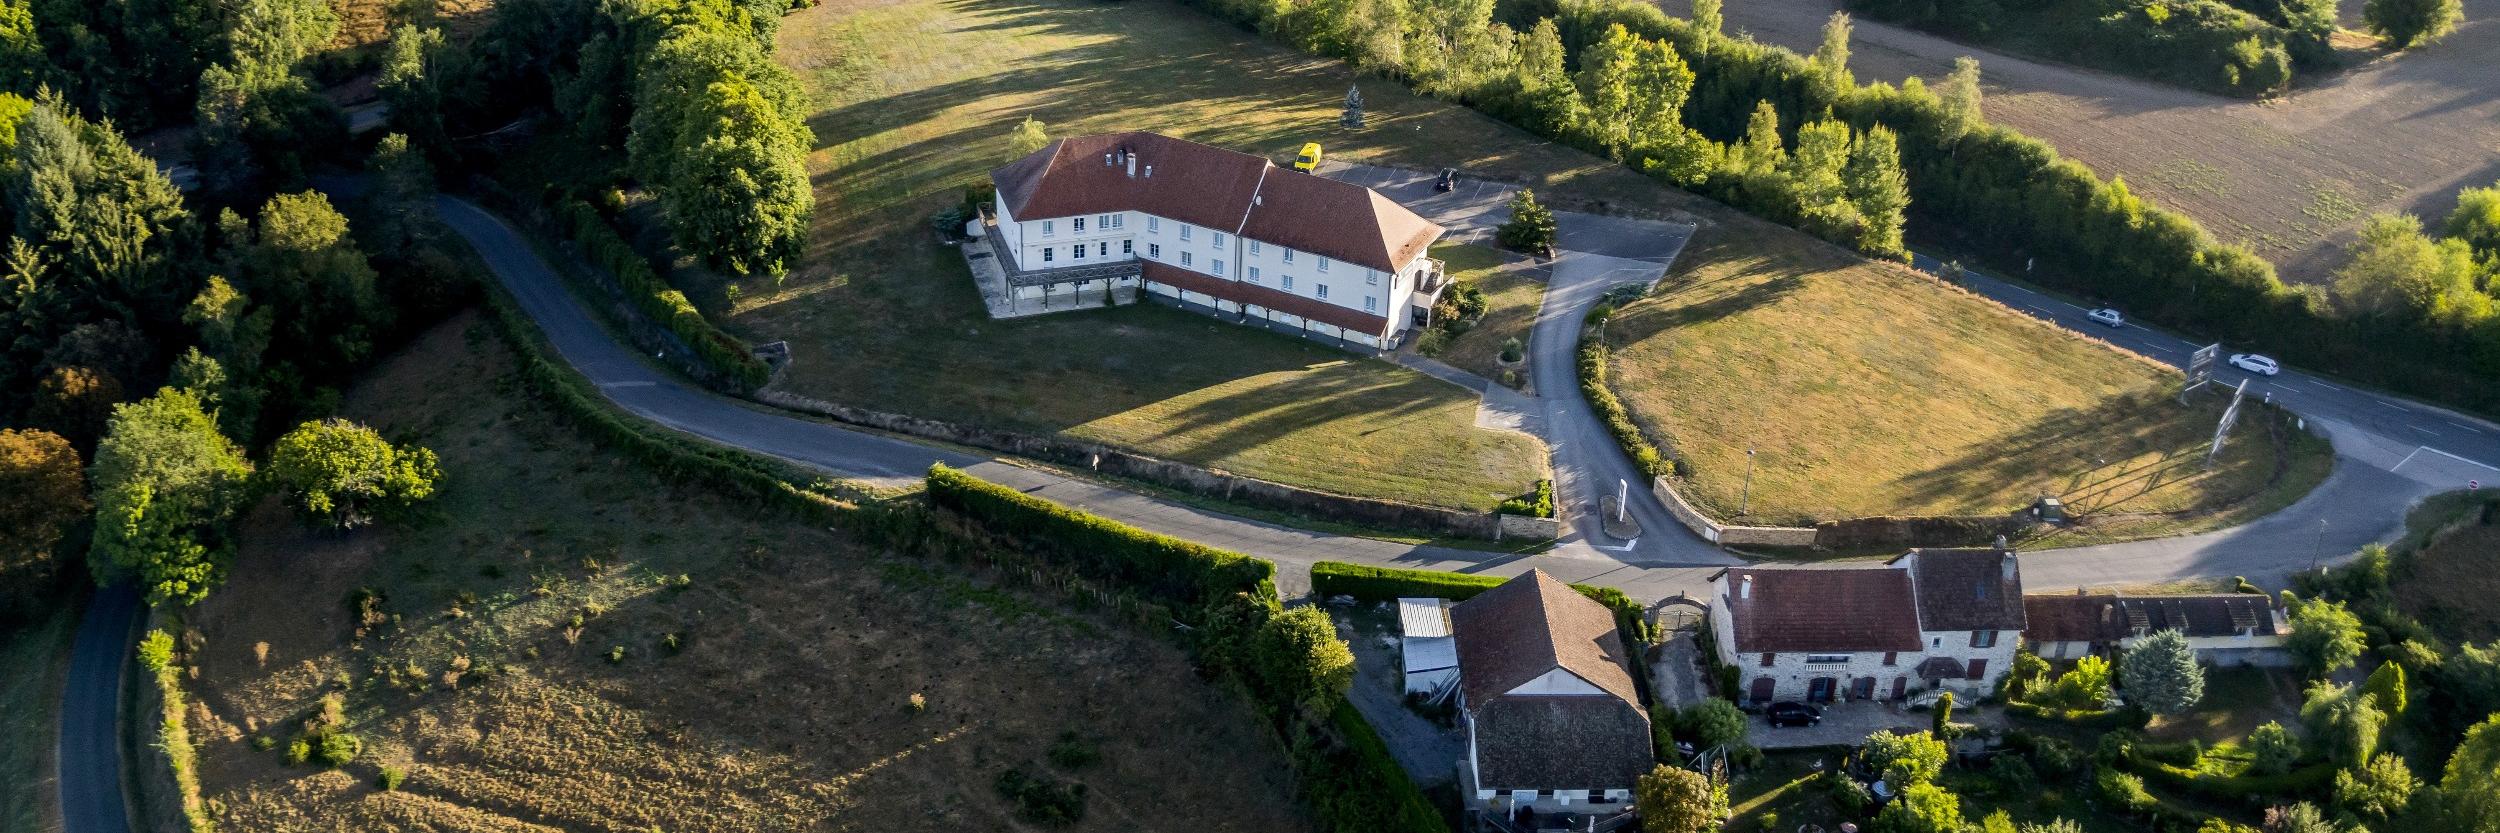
(2014, 774)
(264, 743)
(1042, 801)
(1074, 751)
(391, 778)
(1536, 504)
(337, 749)
(2125, 792)
(616, 655)
(918, 703)
(1847, 795)
(298, 751)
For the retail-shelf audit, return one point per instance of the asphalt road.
(90, 743)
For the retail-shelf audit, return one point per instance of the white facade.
(1842, 675)
(1219, 253)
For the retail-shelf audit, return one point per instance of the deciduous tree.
(2409, 23)
(1880, 191)
(1957, 98)
(343, 475)
(2325, 637)
(1922, 808)
(2469, 794)
(166, 486)
(42, 492)
(1030, 135)
(1906, 759)
(1531, 225)
(2272, 748)
(1832, 56)
(2375, 790)
(2343, 722)
(1301, 660)
(1677, 800)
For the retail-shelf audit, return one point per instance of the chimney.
(2008, 568)
(1106, 159)
(1150, 172)
(1132, 164)
(1744, 586)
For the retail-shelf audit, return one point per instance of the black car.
(1448, 180)
(1793, 714)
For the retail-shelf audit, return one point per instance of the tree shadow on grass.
(2089, 457)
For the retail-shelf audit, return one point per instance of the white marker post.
(1623, 492)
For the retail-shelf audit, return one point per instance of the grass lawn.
(1867, 389)
(573, 644)
(2237, 701)
(35, 654)
(2448, 583)
(1514, 288)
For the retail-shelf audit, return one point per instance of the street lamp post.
(1745, 505)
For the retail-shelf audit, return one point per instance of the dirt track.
(2291, 178)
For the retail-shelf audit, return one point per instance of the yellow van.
(1308, 162)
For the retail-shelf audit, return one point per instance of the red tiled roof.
(2104, 617)
(1531, 625)
(1967, 589)
(1278, 300)
(1220, 189)
(1804, 609)
(2072, 618)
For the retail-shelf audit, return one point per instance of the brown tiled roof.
(1967, 589)
(1275, 299)
(1807, 609)
(1942, 668)
(1318, 214)
(1193, 183)
(1560, 743)
(2104, 617)
(1533, 624)
(1220, 189)
(2072, 618)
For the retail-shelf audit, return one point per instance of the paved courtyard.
(1845, 724)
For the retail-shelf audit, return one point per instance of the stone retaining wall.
(1197, 480)
(1853, 533)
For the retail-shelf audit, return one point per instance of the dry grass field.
(575, 645)
(2449, 584)
(2290, 178)
(1868, 389)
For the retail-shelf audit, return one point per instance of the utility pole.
(1745, 507)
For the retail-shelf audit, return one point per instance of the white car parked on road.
(2256, 364)
(2106, 315)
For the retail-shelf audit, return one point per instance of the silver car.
(2256, 364)
(2106, 315)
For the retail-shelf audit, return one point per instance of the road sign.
(2200, 367)
(2473, 485)
(2222, 430)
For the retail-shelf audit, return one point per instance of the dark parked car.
(1448, 180)
(1793, 714)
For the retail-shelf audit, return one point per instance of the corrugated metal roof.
(1429, 653)
(1423, 617)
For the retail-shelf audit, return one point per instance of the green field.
(916, 100)
(1513, 290)
(34, 656)
(574, 643)
(1867, 389)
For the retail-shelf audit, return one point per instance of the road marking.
(2010, 286)
(2423, 430)
(629, 384)
(2388, 405)
(1627, 546)
(2464, 426)
(2467, 461)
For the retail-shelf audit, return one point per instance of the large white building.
(1948, 619)
(1217, 230)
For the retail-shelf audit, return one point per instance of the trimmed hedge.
(173, 735)
(656, 299)
(1388, 584)
(1537, 504)
(2103, 719)
(1167, 567)
(1358, 779)
(2309, 780)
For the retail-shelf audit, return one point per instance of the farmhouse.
(2223, 628)
(1930, 619)
(1545, 691)
(1217, 231)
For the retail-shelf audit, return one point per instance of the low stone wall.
(1717, 533)
(1197, 480)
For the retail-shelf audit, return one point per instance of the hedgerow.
(1366, 583)
(1167, 567)
(664, 305)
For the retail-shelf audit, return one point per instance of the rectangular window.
(1323, 290)
(1077, 225)
(1254, 274)
(1184, 258)
(1826, 659)
(1154, 251)
(1185, 231)
(1216, 240)
(1103, 248)
(1983, 639)
(1254, 247)
(1323, 264)
(1768, 658)
(1371, 277)
(1045, 254)
(1371, 303)
(1288, 281)
(1076, 252)
(1892, 657)
(1128, 247)
(1154, 225)
(1219, 268)
(1047, 230)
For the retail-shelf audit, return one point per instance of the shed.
(1427, 651)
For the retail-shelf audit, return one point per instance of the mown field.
(1867, 389)
(2290, 178)
(33, 657)
(1513, 288)
(573, 644)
